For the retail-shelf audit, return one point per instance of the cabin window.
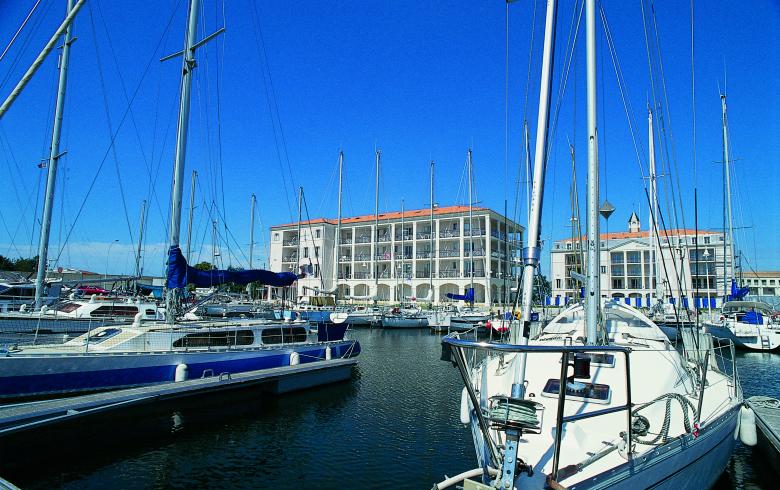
(216, 339)
(103, 335)
(115, 310)
(149, 312)
(283, 335)
(578, 390)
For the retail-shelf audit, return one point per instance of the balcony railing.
(363, 257)
(290, 258)
(422, 274)
(449, 253)
(405, 256)
(449, 233)
(364, 239)
(346, 241)
(385, 275)
(477, 253)
(449, 273)
(498, 234)
(424, 235)
(383, 238)
(362, 275)
(289, 243)
(424, 255)
(344, 275)
(474, 232)
(345, 258)
(407, 236)
(383, 256)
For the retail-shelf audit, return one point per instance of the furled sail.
(180, 274)
(468, 297)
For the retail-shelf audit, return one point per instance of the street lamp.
(108, 255)
(706, 256)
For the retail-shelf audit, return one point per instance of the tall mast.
(188, 64)
(252, 203)
(403, 262)
(299, 240)
(430, 256)
(192, 209)
(727, 182)
(471, 225)
(655, 257)
(532, 251)
(140, 240)
(54, 155)
(593, 288)
(338, 224)
(376, 227)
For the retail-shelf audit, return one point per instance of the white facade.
(399, 258)
(627, 272)
(762, 283)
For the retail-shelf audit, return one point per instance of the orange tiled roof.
(620, 235)
(414, 213)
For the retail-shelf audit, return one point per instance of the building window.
(305, 252)
(706, 240)
(633, 257)
(617, 257)
(771, 282)
(317, 233)
(617, 270)
(635, 283)
(557, 284)
(617, 283)
(276, 237)
(316, 251)
(603, 269)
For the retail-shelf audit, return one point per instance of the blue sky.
(420, 80)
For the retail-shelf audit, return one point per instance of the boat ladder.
(765, 343)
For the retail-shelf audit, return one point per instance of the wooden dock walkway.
(31, 415)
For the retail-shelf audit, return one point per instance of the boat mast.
(338, 225)
(299, 240)
(252, 203)
(655, 257)
(430, 252)
(471, 227)
(192, 209)
(403, 262)
(140, 240)
(376, 228)
(54, 156)
(532, 251)
(593, 288)
(188, 65)
(727, 182)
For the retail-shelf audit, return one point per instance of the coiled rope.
(641, 425)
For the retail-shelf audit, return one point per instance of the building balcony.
(449, 253)
(363, 257)
(449, 273)
(449, 234)
(424, 236)
(475, 232)
(400, 256)
(407, 238)
(477, 253)
(289, 243)
(424, 255)
(290, 258)
(498, 234)
(344, 275)
(364, 239)
(385, 275)
(345, 258)
(422, 274)
(383, 238)
(362, 275)
(476, 274)
(346, 241)
(383, 256)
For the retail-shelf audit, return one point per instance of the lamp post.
(706, 256)
(108, 255)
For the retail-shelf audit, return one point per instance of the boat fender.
(747, 427)
(295, 359)
(181, 373)
(465, 408)
(44, 309)
(137, 319)
(328, 353)
(93, 298)
(23, 308)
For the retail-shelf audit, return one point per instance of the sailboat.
(750, 325)
(143, 353)
(600, 398)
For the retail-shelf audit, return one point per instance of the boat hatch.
(591, 392)
(115, 310)
(68, 307)
(103, 335)
(216, 339)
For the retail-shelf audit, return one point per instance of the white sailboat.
(144, 353)
(600, 398)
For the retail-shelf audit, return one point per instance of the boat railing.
(453, 348)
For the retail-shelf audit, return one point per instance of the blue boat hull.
(29, 375)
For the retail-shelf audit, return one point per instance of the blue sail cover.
(180, 274)
(753, 318)
(469, 296)
(737, 293)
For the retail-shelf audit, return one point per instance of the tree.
(6, 264)
(204, 266)
(542, 288)
(26, 265)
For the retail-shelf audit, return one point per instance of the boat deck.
(19, 417)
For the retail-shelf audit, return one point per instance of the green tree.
(26, 265)
(6, 264)
(204, 266)
(542, 288)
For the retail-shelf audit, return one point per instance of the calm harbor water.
(395, 424)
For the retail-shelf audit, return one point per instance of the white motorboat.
(404, 318)
(749, 324)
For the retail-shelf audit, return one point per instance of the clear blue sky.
(419, 80)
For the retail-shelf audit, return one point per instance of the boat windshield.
(733, 307)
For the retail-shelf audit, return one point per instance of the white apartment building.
(762, 283)
(401, 256)
(626, 270)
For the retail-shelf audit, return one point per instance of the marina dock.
(767, 412)
(34, 415)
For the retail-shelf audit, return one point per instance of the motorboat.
(750, 325)
(404, 317)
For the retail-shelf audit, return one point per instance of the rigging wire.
(16, 34)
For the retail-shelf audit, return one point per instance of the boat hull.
(30, 375)
(397, 322)
(748, 342)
